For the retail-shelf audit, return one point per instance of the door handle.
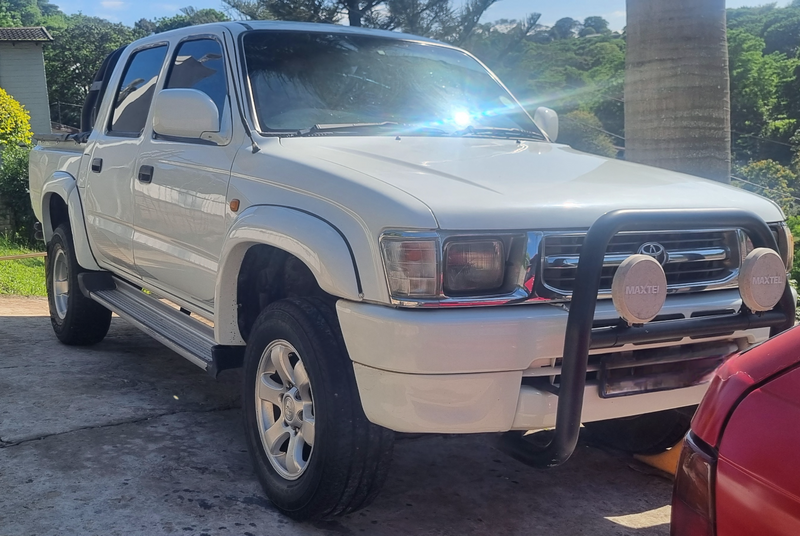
(146, 174)
(97, 165)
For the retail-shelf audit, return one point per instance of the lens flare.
(462, 119)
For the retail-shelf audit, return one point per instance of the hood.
(472, 183)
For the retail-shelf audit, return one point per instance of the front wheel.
(76, 319)
(314, 451)
(651, 433)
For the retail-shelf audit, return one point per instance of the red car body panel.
(758, 469)
(750, 419)
(737, 376)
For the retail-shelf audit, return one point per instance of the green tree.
(756, 85)
(8, 17)
(778, 26)
(567, 74)
(14, 192)
(297, 10)
(432, 18)
(565, 28)
(769, 179)
(782, 30)
(307, 10)
(189, 16)
(750, 19)
(436, 18)
(519, 33)
(598, 25)
(583, 131)
(29, 12)
(80, 45)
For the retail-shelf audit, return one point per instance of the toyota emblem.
(655, 250)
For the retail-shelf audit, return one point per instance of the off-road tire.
(651, 433)
(351, 456)
(86, 322)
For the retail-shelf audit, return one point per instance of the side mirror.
(547, 120)
(185, 113)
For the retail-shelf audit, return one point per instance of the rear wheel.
(314, 451)
(651, 433)
(76, 319)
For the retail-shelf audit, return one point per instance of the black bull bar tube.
(581, 337)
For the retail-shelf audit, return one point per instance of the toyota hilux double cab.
(385, 240)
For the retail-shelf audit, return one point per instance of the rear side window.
(132, 101)
(198, 65)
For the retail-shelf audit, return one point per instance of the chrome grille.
(697, 259)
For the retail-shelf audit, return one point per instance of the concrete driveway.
(128, 438)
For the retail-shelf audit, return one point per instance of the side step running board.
(178, 331)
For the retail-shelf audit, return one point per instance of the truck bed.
(53, 153)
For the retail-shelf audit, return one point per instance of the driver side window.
(198, 64)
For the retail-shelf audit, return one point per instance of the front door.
(108, 194)
(180, 210)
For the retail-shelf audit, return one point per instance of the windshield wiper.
(342, 126)
(419, 130)
(499, 132)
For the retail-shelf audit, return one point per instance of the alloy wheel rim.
(61, 283)
(285, 409)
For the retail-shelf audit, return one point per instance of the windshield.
(299, 80)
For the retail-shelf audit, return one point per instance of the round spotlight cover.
(639, 289)
(762, 279)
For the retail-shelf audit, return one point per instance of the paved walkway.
(128, 438)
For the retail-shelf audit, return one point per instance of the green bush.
(15, 122)
(14, 192)
(15, 137)
(794, 226)
(770, 179)
(582, 130)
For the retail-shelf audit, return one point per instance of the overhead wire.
(761, 187)
(587, 125)
(762, 138)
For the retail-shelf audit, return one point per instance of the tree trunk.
(354, 14)
(677, 87)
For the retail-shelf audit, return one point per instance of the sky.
(129, 11)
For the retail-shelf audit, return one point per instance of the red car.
(739, 471)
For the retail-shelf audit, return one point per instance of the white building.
(22, 71)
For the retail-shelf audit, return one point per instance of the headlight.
(473, 266)
(783, 236)
(786, 245)
(412, 266)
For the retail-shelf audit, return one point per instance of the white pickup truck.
(378, 232)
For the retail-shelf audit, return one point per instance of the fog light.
(639, 289)
(762, 279)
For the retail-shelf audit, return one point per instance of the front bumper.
(462, 370)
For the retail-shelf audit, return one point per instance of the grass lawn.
(24, 277)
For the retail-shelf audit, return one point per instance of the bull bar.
(581, 337)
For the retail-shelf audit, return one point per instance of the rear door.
(180, 213)
(108, 193)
